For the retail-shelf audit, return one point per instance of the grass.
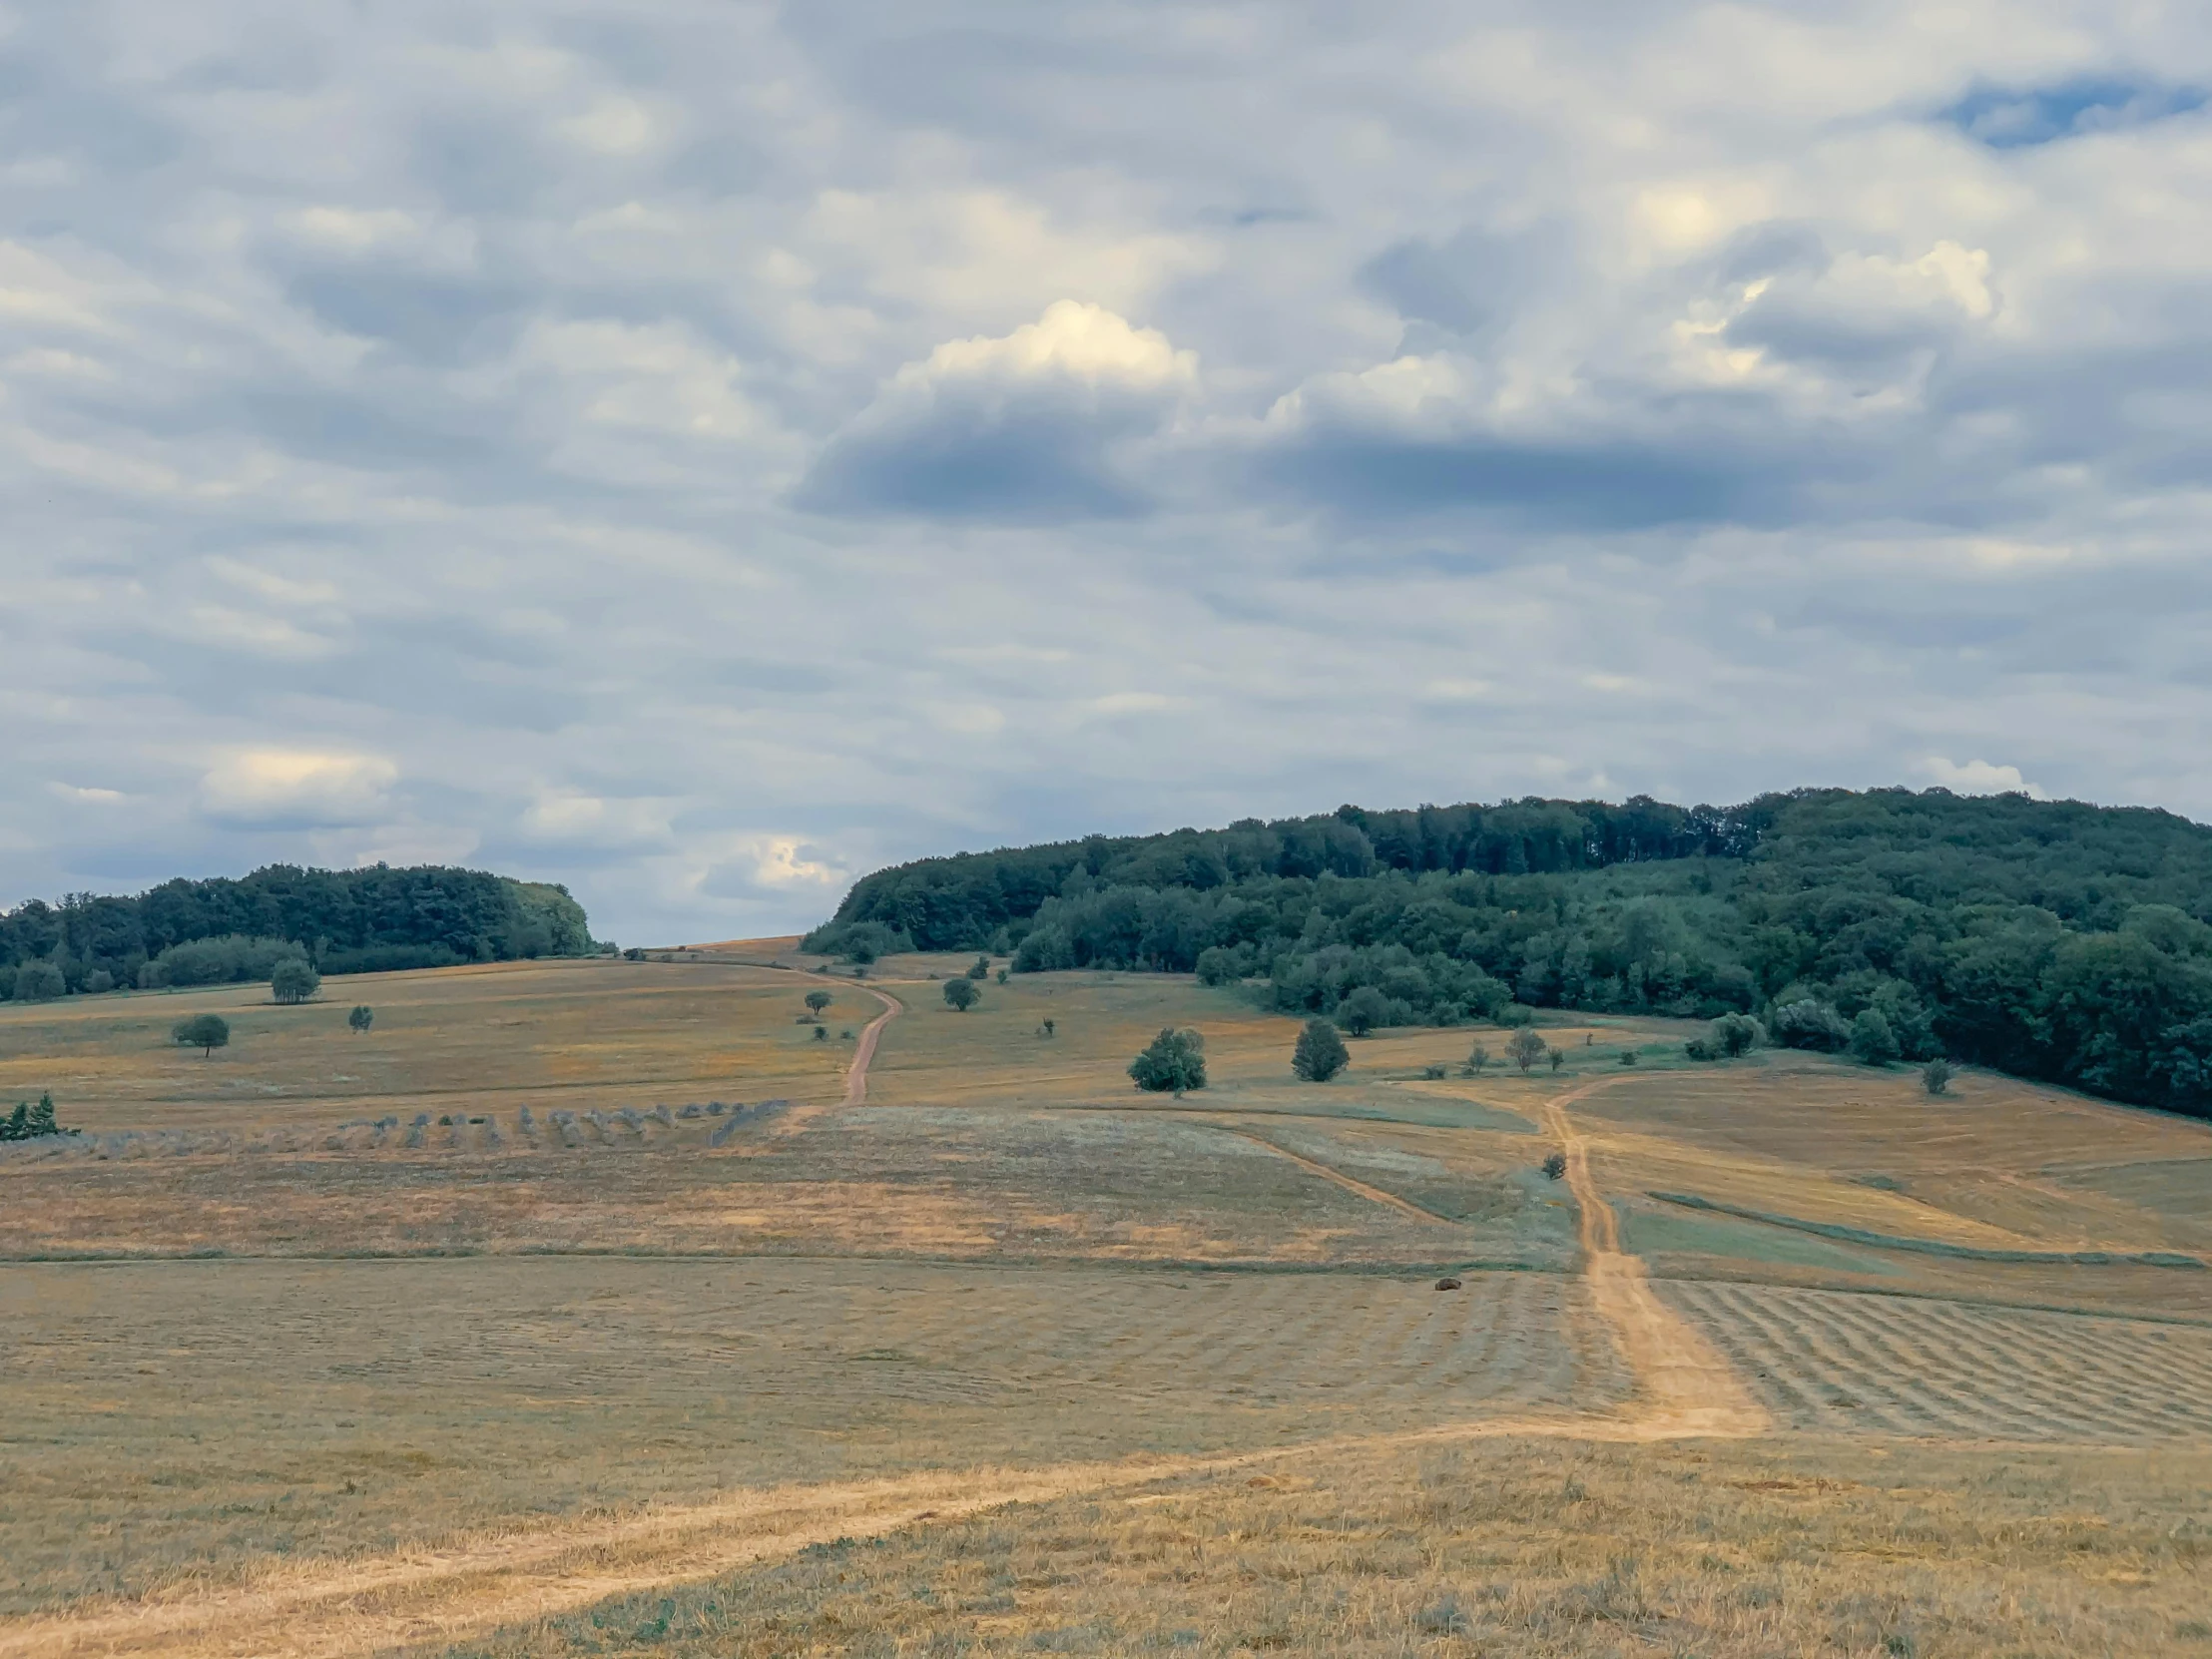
(1011, 1277)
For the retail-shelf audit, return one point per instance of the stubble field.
(1794, 1360)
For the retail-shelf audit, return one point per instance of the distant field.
(602, 1278)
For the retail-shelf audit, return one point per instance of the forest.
(347, 922)
(2051, 939)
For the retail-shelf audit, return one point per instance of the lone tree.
(294, 980)
(1321, 1053)
(1477, 1058)
(1172, 1062)
(817, 1000)
(205, 1032)
(1525, 1049)
(1363, 1010)
(1557, 1057)
(1049, 1026)
(962, 994)
(980, 968)
(1936, 1076)
(362, 1018)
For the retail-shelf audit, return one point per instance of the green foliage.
(1049, 1026)
(960, 994)
(39, 981)
(2048, 939)
(1525, 1049)
(1871, 1041)
(1628, 1056)
(1174, 1061)
(205, 1032)
(818, 999)
(1936, 1076)
(1555, 1164)
(28, 1122)
(294, 980)
(362, 1018)
(822, 1034)
(1320, 1053)
(1363, 1010)
(980, 968)
(98, 982)
(1478, 1057)
(1557, 1057)
(859, 943)
(1004, 974)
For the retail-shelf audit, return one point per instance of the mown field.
(584, 1306)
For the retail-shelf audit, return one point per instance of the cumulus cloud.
(296, 787)
(1978, 778)
(1035, 425)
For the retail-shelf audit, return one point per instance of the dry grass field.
(582, 1307)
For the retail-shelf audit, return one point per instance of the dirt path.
(1683, 1385)
(855, 1075)
(425, 1596)
(1374, 1194)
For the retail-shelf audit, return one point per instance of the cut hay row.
(1839, 1361)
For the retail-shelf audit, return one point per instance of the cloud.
(1978, 778)
(1031, 426)
(296, 787)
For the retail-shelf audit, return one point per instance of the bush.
(1320, 1053)
(1871, 1041)
(1477, 1058)
(1217, 966)
(1363, 1010)
(227, 959)
(1004, 974)
(1628, 1056)
(99, 981)
(362, 1018)
(1734, 1034)
(960, 994)
(28, 1122)
(1174, 1061)
(39, 981)
(1809, 1024)
(1701, 1048)
(1936, 1076)
(205, 1032)
(1555, 1165)
(981, 968)
(294, 980)
(1049, 1026)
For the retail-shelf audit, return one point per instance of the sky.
(700, 452)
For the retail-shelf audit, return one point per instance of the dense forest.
(347, 922)
(2051, 939)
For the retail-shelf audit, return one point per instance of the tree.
(205, 1032)
(1936, 1076)
(981, 968)
(1809, 1024)
(1173, 1061)
(1363, 1010)
(39, 981)
(98, 980)
(817, 1000)
(362, 1018)
(1525, 1049)
(28, 1122)
(1049, 1026)
(1557, 1057)
(1004, 974)
(1477, 1058)
(962, 994)
(822, 1034)
(1555, 1164)
(1871, 1041)
(294, 980)
(1320, 1053)
(1737, 1034)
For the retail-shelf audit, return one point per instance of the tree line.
(192, 933)
(2051, 939)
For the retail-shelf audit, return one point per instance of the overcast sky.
(703, 451)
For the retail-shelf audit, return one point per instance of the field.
(587, 1306)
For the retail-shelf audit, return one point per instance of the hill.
(2051, 939)
(349, 921)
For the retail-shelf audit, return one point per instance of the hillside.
(2052, 939)
(349, 921)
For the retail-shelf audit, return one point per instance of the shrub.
(1477, 1058)
(294, 980)
(98, 980)
(1809, 1024)
(1734, 1034)
(960, 994)
(1936, 1076)
(1217, 966)
(1701, 1048)
(1173, 1061)
(362, 1018)
(1320, 1053)
(1049, 1026)
(1871, 1041)
(1628, 1056)
(981, 968)
(39, 981)
(205, 1032)
(229, 958)
(28, 1122)
(1555, 1165)
(822, 1034)
(1557, 1057)
(1004, 974)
